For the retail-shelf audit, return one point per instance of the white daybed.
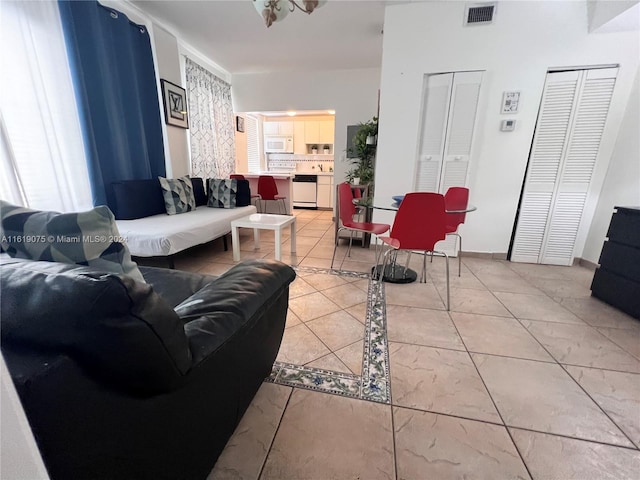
(165, 235)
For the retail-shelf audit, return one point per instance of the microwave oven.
(278, 144)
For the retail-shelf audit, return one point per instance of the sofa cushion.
(178, 195)
(174, 286)
(83, 238)
(137, 199)
(118, 329)
(243, 193)
(222, 193)
(198, 191)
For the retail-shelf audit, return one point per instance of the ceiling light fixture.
(331, 112)
(276, 10)
(291, 113)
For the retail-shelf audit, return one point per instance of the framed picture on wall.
(239, 123)
(174, 99)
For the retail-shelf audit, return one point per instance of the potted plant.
(326, 149)
(314, 149)
(364, 153)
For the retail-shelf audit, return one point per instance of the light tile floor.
(526, 377)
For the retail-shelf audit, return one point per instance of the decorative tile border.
(374, 383)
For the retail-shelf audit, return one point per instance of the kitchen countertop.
(282, 175)
(313, 172)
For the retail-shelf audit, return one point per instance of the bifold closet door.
(565, 147)
(450, 102)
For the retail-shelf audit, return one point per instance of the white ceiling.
(340, 35)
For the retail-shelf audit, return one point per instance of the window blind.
(253, 144)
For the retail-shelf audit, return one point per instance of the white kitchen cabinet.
(319, 132)
(285, 128)
(326, 132)
(278, 128)
(299, 145)
(325, 191)
(311, 132)
(270, 128)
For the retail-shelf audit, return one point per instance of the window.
(43, 162)
(254, 165)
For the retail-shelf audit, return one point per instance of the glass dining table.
(394, 273)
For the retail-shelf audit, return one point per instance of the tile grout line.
(504, 424)
(553, 357)
(371, 295)
(284, 410)
(393, 438)
(562, 366)
(600, 407)
(579, 439)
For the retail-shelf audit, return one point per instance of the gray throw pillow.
(84, 238)
(222, 193)
(178, 195)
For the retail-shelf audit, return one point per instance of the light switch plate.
(507, 125)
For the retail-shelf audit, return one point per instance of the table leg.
(293, 236)
(256, 239)
(236, 244)
(278, 243)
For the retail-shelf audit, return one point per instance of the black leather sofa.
(116, 384)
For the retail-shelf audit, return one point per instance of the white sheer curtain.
(211, 123)
(43, 162)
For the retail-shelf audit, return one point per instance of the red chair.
(268, 190)
(346, 211)
(238, 176)
(456, 198)
(419, 224)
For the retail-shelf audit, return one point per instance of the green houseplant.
(364, 153)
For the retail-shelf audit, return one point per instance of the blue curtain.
(115, 85)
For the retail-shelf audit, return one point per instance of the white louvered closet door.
(565, 147)
(462, 118)
(435, 112)
(447, 125)
(448, 119)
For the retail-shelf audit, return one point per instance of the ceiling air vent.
(479, 14)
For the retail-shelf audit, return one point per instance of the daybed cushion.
(198, 191)
(178, 195)
(222, 193)
(81, 238)
(162, 235)
(243, 193)
(137, 199)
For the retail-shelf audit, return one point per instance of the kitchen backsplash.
(299, 163)
(299, 157)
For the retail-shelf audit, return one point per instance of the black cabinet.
(617, 279)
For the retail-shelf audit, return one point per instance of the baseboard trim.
(485, 255)
(586, 264)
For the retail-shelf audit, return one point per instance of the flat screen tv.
(351, 133)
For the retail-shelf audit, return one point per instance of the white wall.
(19, 455)
(603, 11)
(622, 183)
(525, 40)
(168, 65)
(353, 94)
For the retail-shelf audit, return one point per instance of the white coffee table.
(263, 221)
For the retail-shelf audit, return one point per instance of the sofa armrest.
(231, 303)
